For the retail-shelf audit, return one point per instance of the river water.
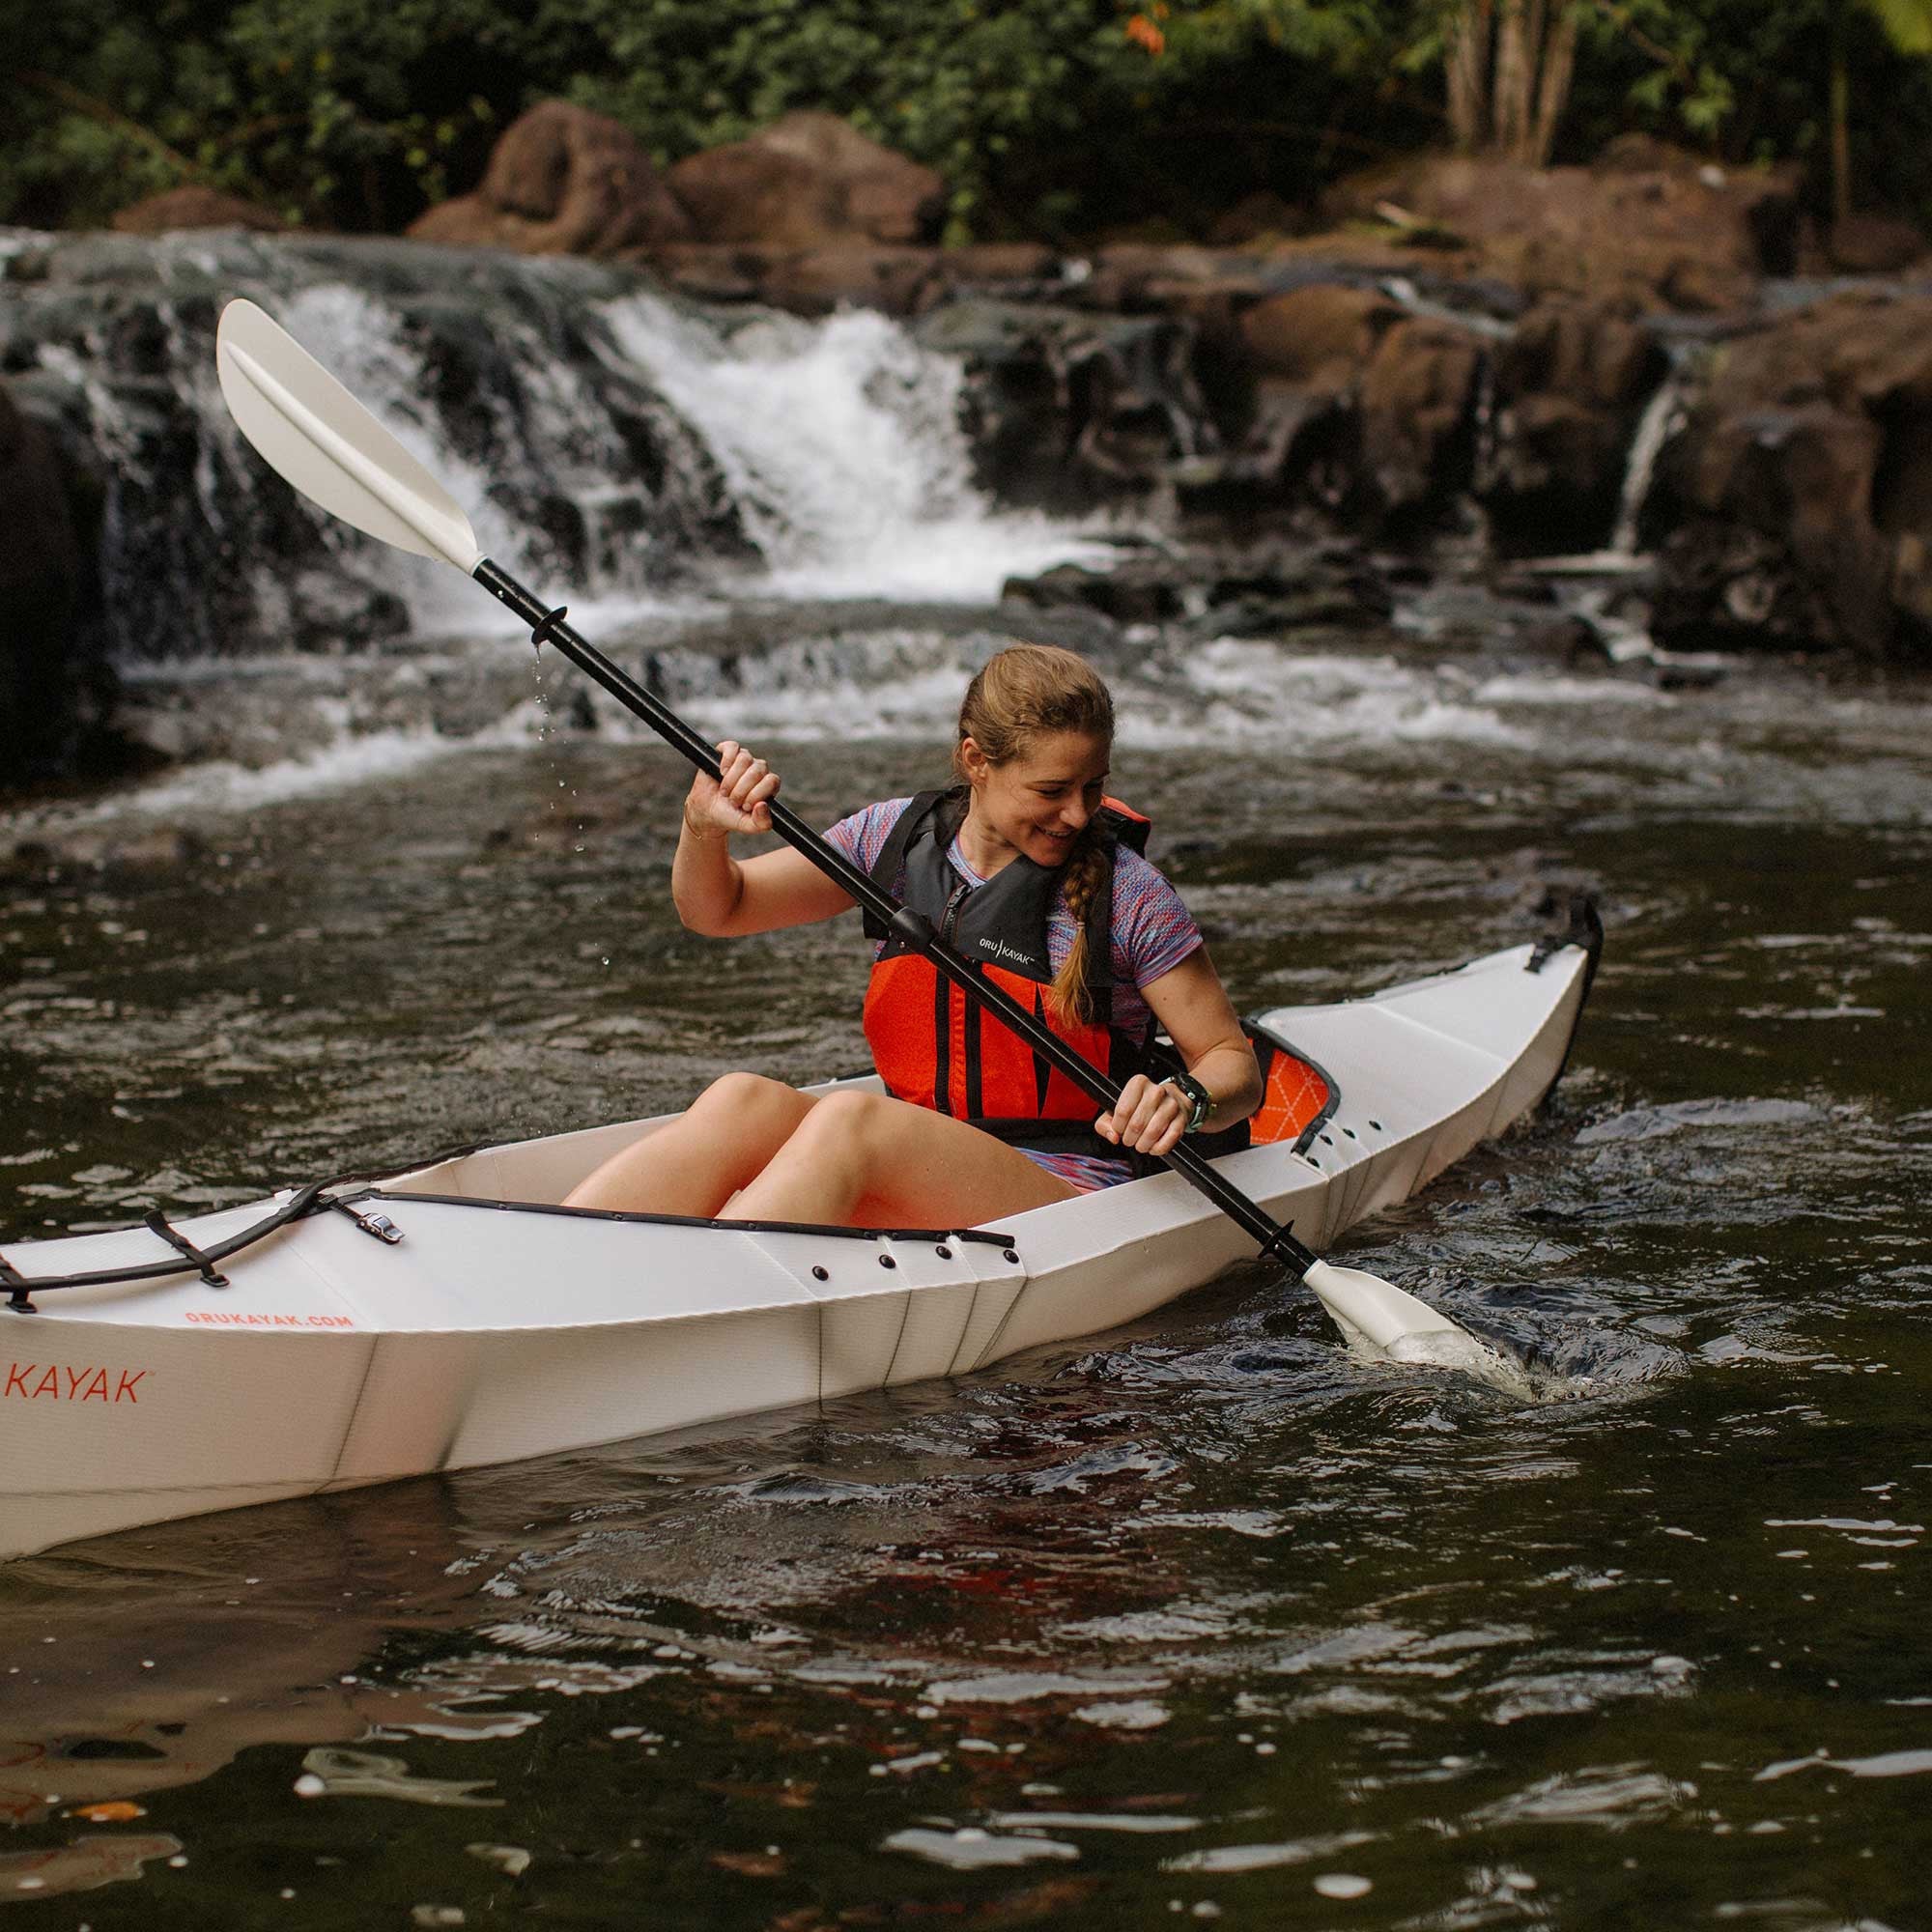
(1198, 1619)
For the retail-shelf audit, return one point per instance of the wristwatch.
(1203, 1101)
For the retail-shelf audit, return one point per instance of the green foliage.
(1046, 117)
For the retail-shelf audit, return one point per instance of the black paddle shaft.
(547, 627)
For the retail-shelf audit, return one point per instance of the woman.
(1019, 874)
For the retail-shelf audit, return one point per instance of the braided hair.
(1032, 691)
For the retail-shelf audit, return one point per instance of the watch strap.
(1198, 1097)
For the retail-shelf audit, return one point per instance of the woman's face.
(1040, 801)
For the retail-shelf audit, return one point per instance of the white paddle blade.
(310, 429)
(1378, 1318)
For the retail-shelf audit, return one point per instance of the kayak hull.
(499, 1326)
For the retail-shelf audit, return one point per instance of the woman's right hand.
(737, 799)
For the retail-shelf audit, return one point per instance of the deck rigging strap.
(157, 1223)
(313, 1199)
(12, 1279)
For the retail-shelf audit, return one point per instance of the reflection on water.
(1200, 1617)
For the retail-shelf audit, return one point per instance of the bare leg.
(865, 1161)
(696, 1164)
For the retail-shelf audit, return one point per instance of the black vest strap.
(945, 812)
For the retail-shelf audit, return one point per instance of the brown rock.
(562, 181)
(1873, 245)
(1591, 353)
(983, 263)
(712, 272)
(194, 208)
(1648, 226)
(1799, 491)
(815, 281)
(1324, 333)
(1416, 398)
(805, 180)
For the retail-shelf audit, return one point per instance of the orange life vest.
(937, 1048)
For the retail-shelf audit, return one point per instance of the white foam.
(223, 785)
(841, 444)
(1240, 691)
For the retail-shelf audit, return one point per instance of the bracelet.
(703, 838)
(1196, 1096)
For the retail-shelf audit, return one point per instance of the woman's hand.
(1148, 1119)
(736, 800)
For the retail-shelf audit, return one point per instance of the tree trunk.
(1552, 92)
(1509, 104)
(1467, 65)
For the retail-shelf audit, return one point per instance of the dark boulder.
(805, 180)
(562, 181)
(1572, 385)
(56, 689)
(1799, 496)
(1066, 408)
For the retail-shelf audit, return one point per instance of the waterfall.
(841, 445)
(624, 450)
(1662, 416)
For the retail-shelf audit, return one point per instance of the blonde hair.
(1029, 691)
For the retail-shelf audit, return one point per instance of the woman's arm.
(1190, 1002)
(719, 896)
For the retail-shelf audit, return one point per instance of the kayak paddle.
(311, 431)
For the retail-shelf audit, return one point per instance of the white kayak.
(453, 1315)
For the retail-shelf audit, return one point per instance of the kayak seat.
(1297, 1096)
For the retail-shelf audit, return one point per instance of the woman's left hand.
(1148, 1119)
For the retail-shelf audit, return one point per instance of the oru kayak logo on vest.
(1002, 953)
(30, 1382)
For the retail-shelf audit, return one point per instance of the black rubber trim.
(989, 1237)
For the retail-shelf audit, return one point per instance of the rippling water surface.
(1199, 1619)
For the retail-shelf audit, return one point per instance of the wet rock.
(57, 690)
(336, 609)
(1220, 591)
(58, 852)
(562, 181)
(817, 281)
(1572, 384)
(1798, 496)
(1131, 594)
(1066, 408)
(194, 208)
(807, 179)
(1321, 335)
(1417, 398)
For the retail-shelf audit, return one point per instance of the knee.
(847, 1121)
(742, 1098)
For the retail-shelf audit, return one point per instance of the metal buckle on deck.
(378, 1225)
